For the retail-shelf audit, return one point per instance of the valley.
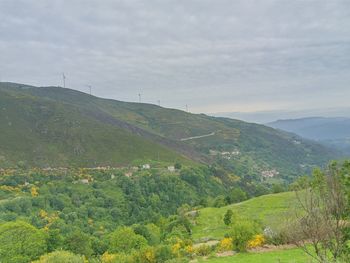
(79, 173)
(55, 127)
(174, 131)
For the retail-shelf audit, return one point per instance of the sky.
(212, 55)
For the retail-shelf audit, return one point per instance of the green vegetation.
(97, 201)
(21, 242)
(110, 216)
(124, 239)
(60, 257)
(271, 210)
(281, 256)
(41, 132)
(51, 126)
(146, 195)
(241, 233)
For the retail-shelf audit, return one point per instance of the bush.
(278, 237)
(225, 245)
(241, 233)
(257, 241)
(203, 250)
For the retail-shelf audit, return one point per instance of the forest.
(149, 215)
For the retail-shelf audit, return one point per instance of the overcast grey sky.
(214, 55)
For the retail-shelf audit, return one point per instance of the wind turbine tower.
(90, 89)
(64, 80)
(139, 97)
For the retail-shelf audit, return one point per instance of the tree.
(54, 240)
(220, 201)
(150, 232)
(124, 239)
(79, 243)
(228, 217)
(59, 257)
(177, 166)
(324, 216)
(236, 195)
(21, 242)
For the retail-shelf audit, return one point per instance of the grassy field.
(282, 256)
(271, 210)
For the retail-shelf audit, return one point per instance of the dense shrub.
(241, 233)
(257, 241)
(225, 244)
(203, 250)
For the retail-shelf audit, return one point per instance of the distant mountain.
(52, 126)
(331, 131)
(271, 116)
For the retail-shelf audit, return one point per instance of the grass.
(294, 255)
(271, 210)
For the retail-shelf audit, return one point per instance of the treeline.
(77, 209)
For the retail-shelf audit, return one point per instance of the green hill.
(43, 132)
(52, 126)
(270, 209)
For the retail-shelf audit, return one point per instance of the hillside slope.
(56, 126)
(270, 209)
(42, 132)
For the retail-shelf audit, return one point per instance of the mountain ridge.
(83, 130)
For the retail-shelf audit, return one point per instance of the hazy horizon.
(214, 56)
(264, 117)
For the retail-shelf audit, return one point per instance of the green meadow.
(294, 255)
(272, 210)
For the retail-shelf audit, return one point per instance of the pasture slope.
(294, 255)
(270, 209)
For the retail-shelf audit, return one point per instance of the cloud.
(213, 55)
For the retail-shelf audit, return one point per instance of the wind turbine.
(64, 80)
(90, 88)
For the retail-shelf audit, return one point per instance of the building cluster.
(225, 155)
(270, 173)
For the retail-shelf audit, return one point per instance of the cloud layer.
(214, 55)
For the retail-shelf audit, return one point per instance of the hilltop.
(53, 126)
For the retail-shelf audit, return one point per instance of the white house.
(84, 181)
(128, 174)
(171, 168)
(146, 166)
